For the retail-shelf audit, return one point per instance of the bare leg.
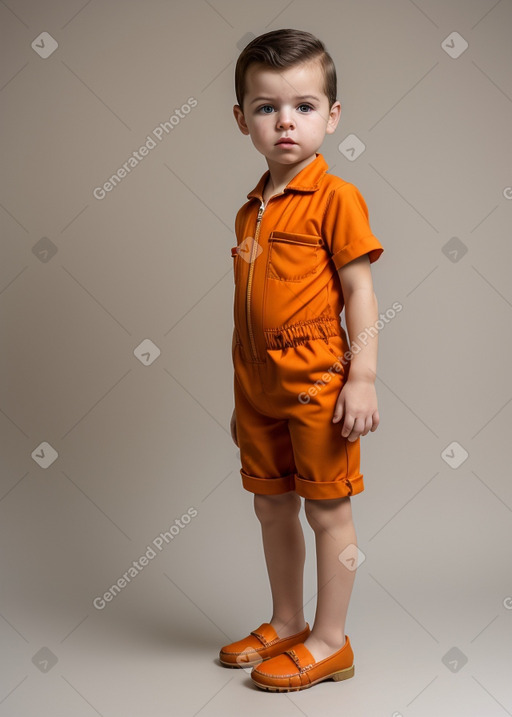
(285, 552)
(334, 529)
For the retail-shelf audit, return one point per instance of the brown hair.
(280, 49)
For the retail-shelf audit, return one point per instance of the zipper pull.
(261, 210)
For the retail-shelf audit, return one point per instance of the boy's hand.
(232, 427)
(357, 405)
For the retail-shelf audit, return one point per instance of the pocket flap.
(294, 238)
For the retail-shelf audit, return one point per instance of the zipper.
(249, 281)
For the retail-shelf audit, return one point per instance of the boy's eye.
(268, 109)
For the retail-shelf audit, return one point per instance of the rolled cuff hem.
(268, 486)
(373, 248)
(305, 488)
(332, 489)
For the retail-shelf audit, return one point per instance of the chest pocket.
(292, 256)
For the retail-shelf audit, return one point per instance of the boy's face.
(287, 103)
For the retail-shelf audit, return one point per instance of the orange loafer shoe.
(261, 644)
(296, 669)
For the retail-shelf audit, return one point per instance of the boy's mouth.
(285, 140)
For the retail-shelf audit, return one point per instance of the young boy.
(304, 252)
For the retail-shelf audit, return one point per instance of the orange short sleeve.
(346, 228)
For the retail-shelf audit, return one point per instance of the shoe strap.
(301, 656)
(265, 634)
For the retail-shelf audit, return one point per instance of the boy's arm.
(361, 312)
(357, 402)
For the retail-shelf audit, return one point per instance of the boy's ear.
(334, 117)
(240, 119)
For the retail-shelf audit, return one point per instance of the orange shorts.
(284, 407)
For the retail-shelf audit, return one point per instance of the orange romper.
(290, 352)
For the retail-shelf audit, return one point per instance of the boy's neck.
(281, 174)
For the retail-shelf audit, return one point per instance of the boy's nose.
(284, 121)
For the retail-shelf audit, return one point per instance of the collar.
(307, 180)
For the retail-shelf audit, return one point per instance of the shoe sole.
(336, 676)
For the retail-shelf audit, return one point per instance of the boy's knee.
(267, 506)
(327, 514)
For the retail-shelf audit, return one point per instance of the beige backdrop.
(116, 391)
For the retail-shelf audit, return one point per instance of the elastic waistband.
(295, 334)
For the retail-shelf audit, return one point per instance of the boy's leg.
(283, 543)
(332, 524)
